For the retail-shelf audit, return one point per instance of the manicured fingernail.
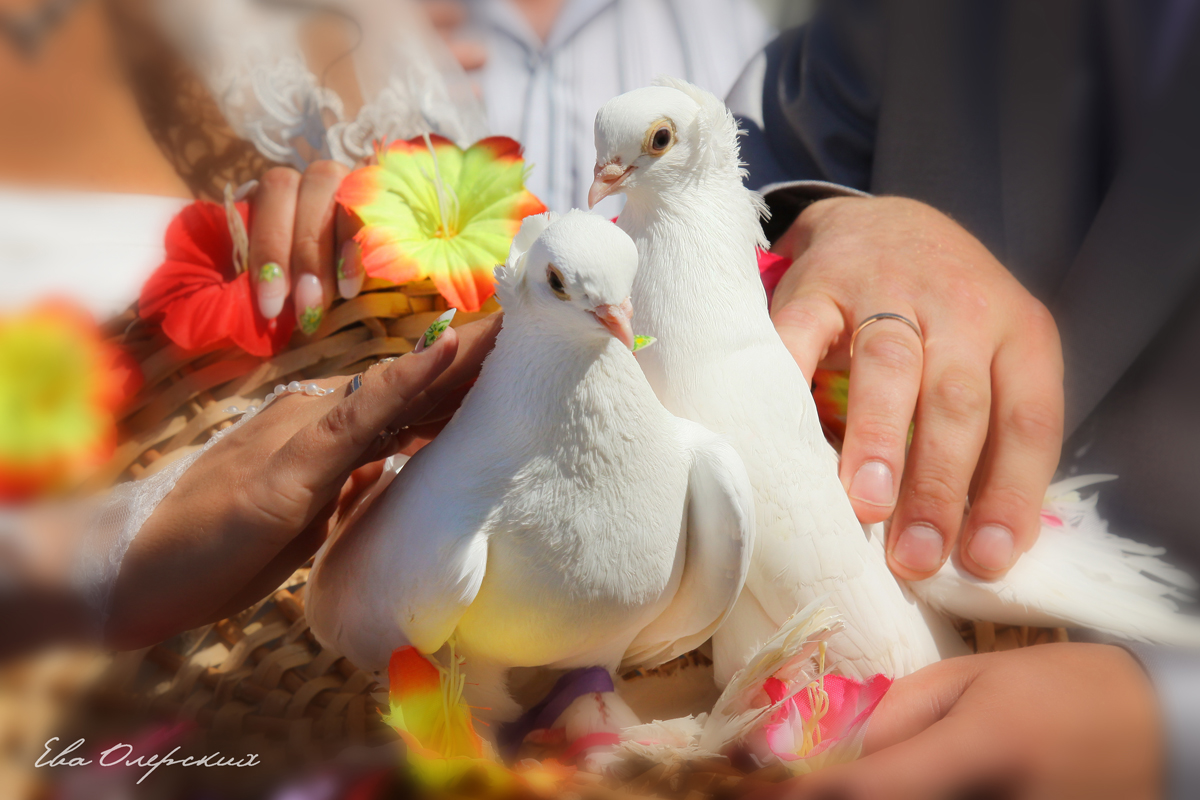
(435, 331)
(992, 547)
(349, 271)
(310, 303)
(919, 548)
(272, 290)
(872, 484)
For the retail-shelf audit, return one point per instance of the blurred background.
(116, 114)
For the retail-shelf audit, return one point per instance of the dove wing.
(403, 573)
(718, 527)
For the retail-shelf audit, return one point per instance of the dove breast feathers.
(543, 526)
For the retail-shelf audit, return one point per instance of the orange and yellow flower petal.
(444, 214)
(60, 385)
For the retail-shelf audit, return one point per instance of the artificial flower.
(641, 342)
(771, 268)
(434, 721)
(433, 210)
(200, 296)
(823, 723)
(831, 391)
(60, 386)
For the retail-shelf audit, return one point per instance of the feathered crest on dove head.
(575, 272)
(715, 124)
(661, 137)
(511, 274)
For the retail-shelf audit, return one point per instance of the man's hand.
(985, 389)
(1053, 721)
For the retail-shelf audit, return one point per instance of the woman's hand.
(300, 243)
(258, 503)
(1052, 721)
(985, 388)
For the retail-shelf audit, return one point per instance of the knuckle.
(878, 433)
(1034, 421)
(960, 395)
(326, 171)
(279, 179)
(1010, 503)
(306, 248)
(798, 315)
(340, 421)
(895, 351)
(967, 292)
(937, 491)
(1037, 321)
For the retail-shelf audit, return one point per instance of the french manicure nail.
(272, 290)
(349, 271)
(435, 330)
(919, 548)
(992, 547)
(310, 303)
(873, 484)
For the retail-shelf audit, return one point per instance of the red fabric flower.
(197, 294)
(771, 268)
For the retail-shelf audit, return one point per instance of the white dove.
(563, 518)
(672, 149)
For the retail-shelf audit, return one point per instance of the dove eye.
(554, 278)
(660, 137)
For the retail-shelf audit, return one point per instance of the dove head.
(651, 140)
(575, 272)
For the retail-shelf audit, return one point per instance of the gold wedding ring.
(876, 318)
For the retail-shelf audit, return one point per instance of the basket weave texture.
(260, 680)
(187, 394)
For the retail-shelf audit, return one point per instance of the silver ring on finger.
(355, 384)
(877, 318)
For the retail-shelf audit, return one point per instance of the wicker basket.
(186, 393)
(260, 680)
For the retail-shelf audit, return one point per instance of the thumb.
(918, 701)
(954, 757)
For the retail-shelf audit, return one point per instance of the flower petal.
(196, 294)
(449, 215)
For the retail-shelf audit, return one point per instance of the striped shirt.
(546, 95)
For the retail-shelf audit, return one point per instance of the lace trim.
(250, 57)
(113, 526)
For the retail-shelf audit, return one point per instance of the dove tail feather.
(1078, 574)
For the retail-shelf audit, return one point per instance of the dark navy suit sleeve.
(809, 104)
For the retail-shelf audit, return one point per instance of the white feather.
(719, 362)
(666, 741)
(1078, 574)
(552, 522)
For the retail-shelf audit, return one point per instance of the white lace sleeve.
(251, 57)
(113, 523)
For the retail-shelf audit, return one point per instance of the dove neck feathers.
(553, 385)
(698, 273)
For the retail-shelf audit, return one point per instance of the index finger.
(807, 322)
(321, 455)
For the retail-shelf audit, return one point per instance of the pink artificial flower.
(1052, 519)
(823, 723)
(771, 268)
